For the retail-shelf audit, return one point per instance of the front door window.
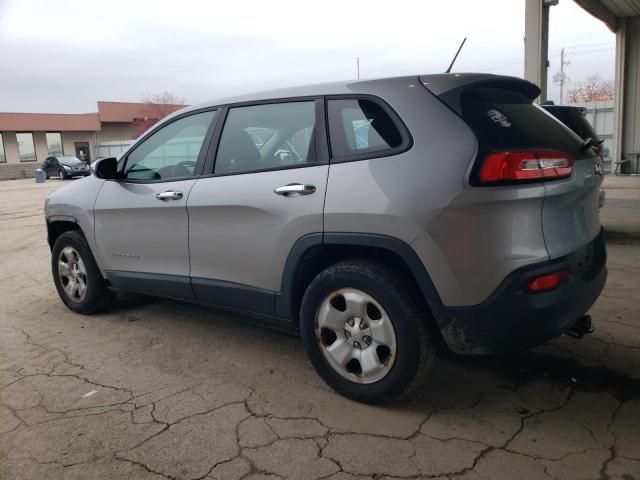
(171, 152)
(82, 151)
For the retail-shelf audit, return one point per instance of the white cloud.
(65, 55)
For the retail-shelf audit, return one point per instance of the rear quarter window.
(361, 128)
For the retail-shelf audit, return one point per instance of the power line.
(582, 45)
(515, 61)
(512, 61)
(593, 51)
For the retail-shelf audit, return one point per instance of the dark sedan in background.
(65, 167)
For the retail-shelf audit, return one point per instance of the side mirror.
(106, 168)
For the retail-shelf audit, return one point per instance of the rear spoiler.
(448, 87)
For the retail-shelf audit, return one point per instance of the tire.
(72, 249)
(401, 356)
(62, 175)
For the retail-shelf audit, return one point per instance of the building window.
(3, 158)
(26, 148)
(54, 144)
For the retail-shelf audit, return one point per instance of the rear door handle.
(169, 195)
(294, 189)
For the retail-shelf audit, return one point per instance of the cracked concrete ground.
(188, 393)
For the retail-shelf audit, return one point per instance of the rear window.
(360, 126)
(574, 118)
(507, 120)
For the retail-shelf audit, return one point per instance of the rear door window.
(267, 137)
(360, 127)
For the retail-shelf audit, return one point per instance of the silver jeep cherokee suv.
(380, 218)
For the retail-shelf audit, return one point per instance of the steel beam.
(536, 43)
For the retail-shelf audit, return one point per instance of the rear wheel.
(76, 275)
(365, 332)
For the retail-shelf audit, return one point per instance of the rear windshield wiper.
(590, 142)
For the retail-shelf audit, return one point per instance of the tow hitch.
(581, 327)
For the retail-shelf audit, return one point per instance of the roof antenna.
(456, 56)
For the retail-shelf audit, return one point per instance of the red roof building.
(29, 138)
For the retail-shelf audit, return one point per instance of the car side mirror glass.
(106, 168)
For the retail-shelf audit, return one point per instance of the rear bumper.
(512, 319)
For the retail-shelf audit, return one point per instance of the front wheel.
(62, 175)
(365, 331)
(76, 275)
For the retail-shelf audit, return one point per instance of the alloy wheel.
(356, 336)
(73, 274)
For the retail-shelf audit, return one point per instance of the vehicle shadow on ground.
(560, 370)
(553, 363)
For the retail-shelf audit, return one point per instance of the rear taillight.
(525, 165)
(546, 282)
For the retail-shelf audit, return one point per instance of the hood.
(70, 161)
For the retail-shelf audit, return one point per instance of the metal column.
(536, 43)
(627, 96)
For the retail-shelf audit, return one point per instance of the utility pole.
(358, 66)
(561, 77)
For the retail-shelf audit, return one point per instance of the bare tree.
(594, 89)
(155, 107)
(165, 97)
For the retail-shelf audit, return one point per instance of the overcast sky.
(64, 55)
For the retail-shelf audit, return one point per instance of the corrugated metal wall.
(114, 132)
(631, 109)
(601, 116)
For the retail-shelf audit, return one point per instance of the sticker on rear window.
(499, 118)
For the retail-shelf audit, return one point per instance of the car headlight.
(67, 168)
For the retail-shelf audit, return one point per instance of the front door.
(54, 167)
(82, 151)
(48, 165)
(267, 191)
(141, 221)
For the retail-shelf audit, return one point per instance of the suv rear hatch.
(520, 143)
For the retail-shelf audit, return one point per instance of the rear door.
(141, 221)
(264, 190)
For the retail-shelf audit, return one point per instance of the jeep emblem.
(499, 118)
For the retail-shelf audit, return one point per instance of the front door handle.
(294, 189)
(169, 195)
